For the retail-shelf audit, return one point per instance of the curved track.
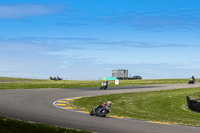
(37, 105)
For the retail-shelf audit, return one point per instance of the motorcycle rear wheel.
(102, 113)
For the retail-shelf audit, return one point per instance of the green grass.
(195, 95)
(17, 126)
(16, 79)
(34, 84)
(164, 106)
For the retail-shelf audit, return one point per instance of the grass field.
(168, 106)
(195, 96)
(17, 126)
(17, 79)
(33, 84)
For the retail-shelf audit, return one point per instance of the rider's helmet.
(109, 103)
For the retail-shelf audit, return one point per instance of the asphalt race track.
(37, 105)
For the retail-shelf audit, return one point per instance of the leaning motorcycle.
(104, 85)
(191, 81)
(100, 111)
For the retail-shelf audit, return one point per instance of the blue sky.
(87, 39)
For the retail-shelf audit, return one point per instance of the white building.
(120, 73)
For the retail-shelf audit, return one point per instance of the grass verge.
(17, 79)
(195, 96)
(34, 84)
(169, 106)
(17, 126)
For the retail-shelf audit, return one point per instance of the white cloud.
(8, 70)
(63, 67)
(24, 10)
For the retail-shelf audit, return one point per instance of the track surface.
(37, 105)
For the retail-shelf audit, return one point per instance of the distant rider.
(105, 83)
(193, 78)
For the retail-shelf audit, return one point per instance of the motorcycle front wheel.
(92, 113)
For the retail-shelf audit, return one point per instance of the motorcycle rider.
(105, 83)
(193, 78)
(107, 105)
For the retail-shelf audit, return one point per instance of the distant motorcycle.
(58, 78)
(100, 111)
(55, 78)
(191, 81)
(104, 85)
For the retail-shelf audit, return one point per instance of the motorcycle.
(191, 81)
(100, 111)
(104, 85)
